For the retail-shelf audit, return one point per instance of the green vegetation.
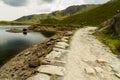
(15, 23)
(110, 39)
(55, 17)
(94, 16)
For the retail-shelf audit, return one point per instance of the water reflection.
(12, 43)
(24, 33)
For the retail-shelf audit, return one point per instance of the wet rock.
(53, 70)
(39, 76)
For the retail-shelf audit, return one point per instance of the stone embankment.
(53, 63)
(34, 60)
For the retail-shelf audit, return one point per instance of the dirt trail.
(89, 59)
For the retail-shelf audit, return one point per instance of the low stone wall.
(24, 64)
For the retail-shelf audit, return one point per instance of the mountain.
(38, 18)
(94, 16)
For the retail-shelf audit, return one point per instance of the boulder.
(34, 62)
(116, 25)
(39, 76)
(53, 70)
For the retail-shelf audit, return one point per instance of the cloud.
(49, 1)
(96, 1)
(46, 1)
(15, 2)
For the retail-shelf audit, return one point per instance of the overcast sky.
(12, 9)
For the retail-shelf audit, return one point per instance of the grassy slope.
(94, 16)
(15, 23)
(38, 18)
(57, 20)
(110, 39)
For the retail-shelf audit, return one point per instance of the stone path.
(85, 59)
(89, 59)
(53, 63)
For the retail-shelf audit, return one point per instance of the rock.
(98, 69)
(115, 67)
(116, 24)
(90, 71)
(52, 62)
(117, 74)
(39, 76)
(101, 61)
(69, 33)
(64, 40)
(58, 49)
(27, 53)
(49, 43)
(60, 46)
(63, 44)
(65, 37)
(53, 55)
(53, 70)
(34, 62)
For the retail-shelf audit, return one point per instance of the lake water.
(12, 43)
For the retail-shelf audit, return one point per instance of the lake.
(12, 43)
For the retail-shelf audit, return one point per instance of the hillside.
(94, 16)
(38, 18)
(15, 23)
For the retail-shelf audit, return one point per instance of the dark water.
(11, 43)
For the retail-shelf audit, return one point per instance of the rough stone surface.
(118, 75)
(90, 70)
(53, 55)
(85, 46)
(60, 46)
(63, 44)
(49, 69)
(116, 24)
(39, 76)
(101, 61)
(98, 69)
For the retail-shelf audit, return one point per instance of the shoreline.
(24, 64)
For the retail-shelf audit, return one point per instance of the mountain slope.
(94, 16)
(37, 18)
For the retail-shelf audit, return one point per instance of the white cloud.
(15, 2)
(95, 1)
(8, 11)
